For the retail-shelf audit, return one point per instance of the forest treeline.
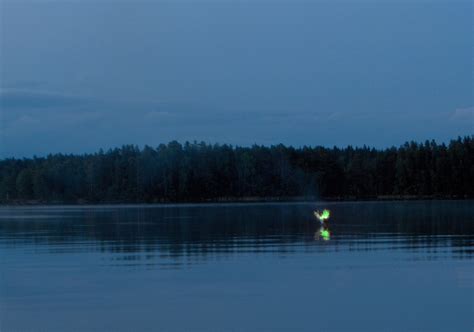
(194, 172)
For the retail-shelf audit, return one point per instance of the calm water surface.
(388, 266)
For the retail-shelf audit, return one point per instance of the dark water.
(391, 266)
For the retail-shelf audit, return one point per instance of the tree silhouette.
(196, 172)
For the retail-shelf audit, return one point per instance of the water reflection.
(433, 229)
(323, 233)
(145, 268)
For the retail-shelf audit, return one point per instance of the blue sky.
(76, 76)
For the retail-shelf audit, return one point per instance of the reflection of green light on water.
(325, 234)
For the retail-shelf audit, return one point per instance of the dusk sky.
(76, 76)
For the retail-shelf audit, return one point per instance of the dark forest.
(196, 172)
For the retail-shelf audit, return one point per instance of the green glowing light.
(325, 214)
(322, 216)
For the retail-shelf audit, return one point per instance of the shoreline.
(243, 200)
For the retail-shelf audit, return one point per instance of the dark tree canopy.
(196, 172)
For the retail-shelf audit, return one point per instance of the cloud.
(40, 122)
(37, 99)
(463, 114)
(157, 115)
(26, 119)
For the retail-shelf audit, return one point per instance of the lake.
(379, 266)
